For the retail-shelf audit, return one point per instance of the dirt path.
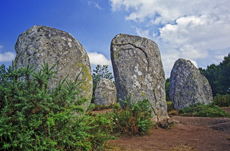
(189, 134)
(226, 109)
(185, 133)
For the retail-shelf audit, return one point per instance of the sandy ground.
(188, 134)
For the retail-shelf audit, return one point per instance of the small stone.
(105, 93)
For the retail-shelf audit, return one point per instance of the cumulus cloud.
(143, 33)
(7, 56)
(96, 58)
(194, 30)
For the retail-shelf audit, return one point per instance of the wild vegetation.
(167, 87)
(219, 76)
(34, 117)
(222, 100)
(201, 110)
(133, 118)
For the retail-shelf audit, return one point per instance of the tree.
(223, 76)
(218, 76)
(167, 87)
(99, 73)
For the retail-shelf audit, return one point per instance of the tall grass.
(133, 118)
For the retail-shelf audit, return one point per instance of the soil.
(188, 134)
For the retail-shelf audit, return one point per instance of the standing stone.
(105, 93)
(41, 43)
(188, 86)
(138, 71)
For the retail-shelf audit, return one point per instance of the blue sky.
(195, 30)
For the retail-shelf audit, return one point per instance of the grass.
(200, 110)
(101, 107)
(171, 110)
(169, 106)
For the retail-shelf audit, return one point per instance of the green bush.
(134, 118)
(100, 107)
(210, 110)
(33, 117)
(222, 100)
(91, 106)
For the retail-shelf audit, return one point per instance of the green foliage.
(201, 110)
(167, 87)
(169, 106)
(219, 76)
(91, 106)
(99, 73)
(222, 100)
(134, 118)
(99, 107)
(33, 117)
(117, 105)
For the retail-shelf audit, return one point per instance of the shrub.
(91, 106)
(134, 118)
(222, 100)
(210, 110)
(100, 107)
(33, 117)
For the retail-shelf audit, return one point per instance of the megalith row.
(137, 68)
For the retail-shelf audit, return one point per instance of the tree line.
(218, 76)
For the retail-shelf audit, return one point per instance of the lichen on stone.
(42, 43)
(188, 86)
(138, 70)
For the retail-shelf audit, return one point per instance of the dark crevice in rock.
(155, 104)
(137, 48)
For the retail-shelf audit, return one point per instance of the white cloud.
(143, 33)
(95, 4)
(7, 56)
(193, 30)
(96, 59)
(194, 63)
(167, 11)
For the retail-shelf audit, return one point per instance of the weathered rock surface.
(138, 71)
(41, 43)
(188, 86)
(105, 93)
